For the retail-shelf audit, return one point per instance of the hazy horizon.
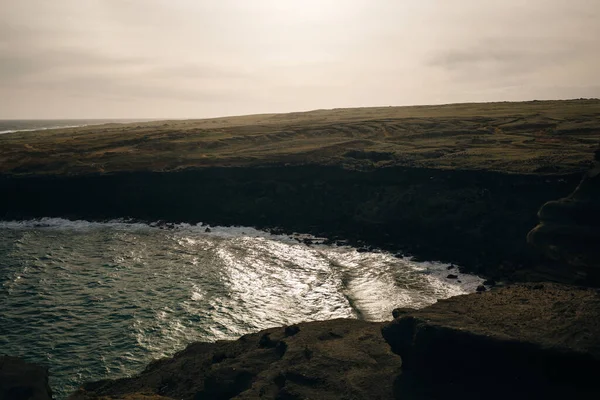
(184, 59)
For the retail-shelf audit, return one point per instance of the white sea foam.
(43, 128)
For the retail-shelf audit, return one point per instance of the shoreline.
(454, 349)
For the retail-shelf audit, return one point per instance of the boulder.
(20, 380)
(527, 341)
(490, 282)
(398, 312)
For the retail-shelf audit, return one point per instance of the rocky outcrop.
(528, 341)
(569, 230)
(23, 381)
(318, 360)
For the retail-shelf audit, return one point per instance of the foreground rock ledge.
(528, 341)
(317, 360)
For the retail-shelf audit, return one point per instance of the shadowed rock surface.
(23, 381)
(569, 230)
(527, 341)
(337, 359)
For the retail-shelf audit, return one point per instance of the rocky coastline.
(475, 219)
(535, 335)
(521, 342)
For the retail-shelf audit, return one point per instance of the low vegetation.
(532, 137)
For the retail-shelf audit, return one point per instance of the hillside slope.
(529, 137)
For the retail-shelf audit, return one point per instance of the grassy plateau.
(543, 137)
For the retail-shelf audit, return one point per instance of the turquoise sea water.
(100, 300)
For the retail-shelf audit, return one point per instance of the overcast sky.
(202, 58)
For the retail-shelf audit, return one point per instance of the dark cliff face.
(478, 219)
(569, 229)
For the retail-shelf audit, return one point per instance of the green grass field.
(543, 137)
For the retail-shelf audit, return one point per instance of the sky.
(205, 58)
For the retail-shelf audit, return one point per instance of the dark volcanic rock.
(528, 341)
(398, 312)
(23, 381)
(490, 282)
(291, 330)
(319, 360)
(569, 231)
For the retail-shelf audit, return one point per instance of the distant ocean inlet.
(24, 125)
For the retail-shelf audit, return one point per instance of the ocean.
(24, 125)
(100, 300)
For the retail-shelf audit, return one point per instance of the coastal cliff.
(460, 184)
(476, 219)
(315, 360)
(569, 230)
(520, 342)
(537, 340)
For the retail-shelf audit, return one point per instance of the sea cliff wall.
(477, 219)
(569, 229)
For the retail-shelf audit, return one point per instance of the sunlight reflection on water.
(100, 300)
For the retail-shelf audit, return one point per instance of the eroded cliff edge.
(454, 187)
(520, 342)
